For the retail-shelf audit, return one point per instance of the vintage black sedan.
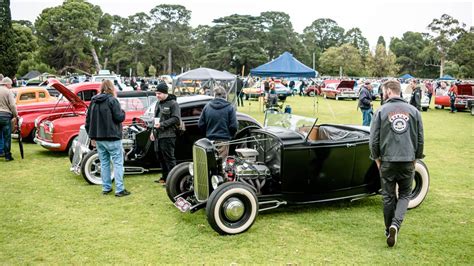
(140, 156)
(292, 160)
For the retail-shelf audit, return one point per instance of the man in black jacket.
(219, 121)
(365, 103)
(104, 127)
(167, 119)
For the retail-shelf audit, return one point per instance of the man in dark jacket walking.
(167, 119)
(219, 121)
(396, 142)
(415, 99)
(104, 127)
(365, 103)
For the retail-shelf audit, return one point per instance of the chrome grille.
(81, 146)
(201, 179)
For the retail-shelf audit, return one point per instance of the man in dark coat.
(396, 142)
(415, 99)
(365, 103)
(167, 120)
(104, 127)
(219, 121)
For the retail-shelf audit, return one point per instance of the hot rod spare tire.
(90, 168)
(232, 208)
(421, 184)
(179, 180)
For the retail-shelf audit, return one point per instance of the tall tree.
(355, 38)
(345, 57)
(322, 34)
(278, 34)
(445, 31)
(8, 52)
(67, 34)
(381, 41)
(462, 53)
(412, 52)
(382, 63)
(170, 34)
(234, 42)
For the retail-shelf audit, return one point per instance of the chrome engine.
(245, 168)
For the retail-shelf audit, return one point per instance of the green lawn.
(49, 215)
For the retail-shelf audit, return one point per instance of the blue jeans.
(1, 143)
(6, 133)
(366, 116)
(107, 150)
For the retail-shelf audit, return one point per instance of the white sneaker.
(392, 236)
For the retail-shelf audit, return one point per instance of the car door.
(331, 165)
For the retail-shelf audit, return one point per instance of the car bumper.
(47, 145)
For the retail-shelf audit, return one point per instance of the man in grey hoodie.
(219, 121)
(396, 142)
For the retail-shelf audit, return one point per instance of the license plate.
(182, 204)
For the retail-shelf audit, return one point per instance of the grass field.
(51, 216)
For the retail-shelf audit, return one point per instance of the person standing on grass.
(8, 113)
(453, 93)
(167, 120)
(219, 121)
(104, 127)
(365, 103)
(396, 142)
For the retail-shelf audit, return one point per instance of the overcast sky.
(383, 17)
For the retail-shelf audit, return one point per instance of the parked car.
(253, 92)
(140, 156)
(282, 91)
(28, 113)
(407, 93)
(465, 92)
(291, 161)
(105, 74)
(56, 132)
(341, 90)
(313, 90)
(29, 95)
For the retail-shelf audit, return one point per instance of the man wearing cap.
(365, 103)
(219, 121)
(167, 120)
(7, 113)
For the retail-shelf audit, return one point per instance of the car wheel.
(179, 180)
(70, 151)
(90, 168)
(325, 96)
(337, 97)
(421, 184)
(232, 208)
(424, 109)
(311, 93)
(472, 110)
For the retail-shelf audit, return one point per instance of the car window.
(27, 96)
(87, 94)
(134, 103)
(41, 94)
(192, 111)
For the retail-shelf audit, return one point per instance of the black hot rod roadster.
(291, 161)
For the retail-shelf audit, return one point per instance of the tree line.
(78, 36)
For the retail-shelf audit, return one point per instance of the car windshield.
(289, 121)
(136, 103)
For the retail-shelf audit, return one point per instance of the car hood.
(68, 94)
(346, 84)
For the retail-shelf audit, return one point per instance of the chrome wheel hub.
(234, 209)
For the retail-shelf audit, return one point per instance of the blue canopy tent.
(284, 66)
(446, 77)
(406, 76)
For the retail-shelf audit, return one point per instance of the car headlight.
(216, 181)
(191, 169)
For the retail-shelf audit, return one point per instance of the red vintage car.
(56, 132)
(465, 92)
(29, 113)
(341, 90)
